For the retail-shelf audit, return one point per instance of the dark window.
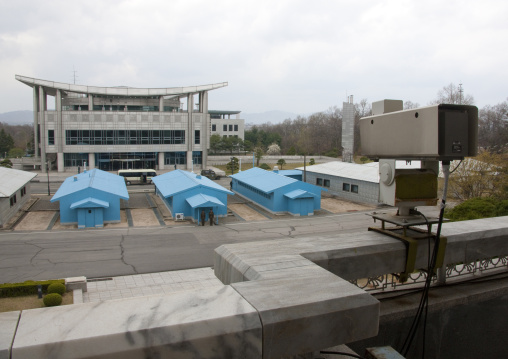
(23, 191)
(231, 127)
(236, 127)
(327, 183)
(13, 200)
(345, 187)
(224, 127)
(319, 181)
(197, 138)
(214, 127)
(354, 188)
(51, 137)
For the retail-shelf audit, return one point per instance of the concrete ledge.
(77, 296)
(209, 323)
(8, 325)
(76, 283)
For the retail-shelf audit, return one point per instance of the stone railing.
(280, 298)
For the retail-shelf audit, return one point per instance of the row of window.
(320, 182)
(346, 187)
(226, 128)
(254, 189)
(13, 198)
(124, 137)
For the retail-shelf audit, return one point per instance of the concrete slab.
(144, 217)
(204, 323)
(335, 205)
(247, 213)
(8, 324)
(35, 221)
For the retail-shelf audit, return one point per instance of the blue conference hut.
(187, 194)
(278, 193)
(91, 198)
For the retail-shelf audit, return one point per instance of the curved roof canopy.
(51, 87)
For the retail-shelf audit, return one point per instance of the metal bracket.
(410, 236)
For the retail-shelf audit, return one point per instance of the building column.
(91, 160)
(42, 123)
(90, 102)
(190, 135)
(161, 161)
(189, 161)
(161, 104)
(59, 136)
(36, 122)
(60, 162)
(205, 130)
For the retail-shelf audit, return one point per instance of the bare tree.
(453, 95)
(408, 105)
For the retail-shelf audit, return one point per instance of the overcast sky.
(296, 56)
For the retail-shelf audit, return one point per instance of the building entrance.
(126, 161)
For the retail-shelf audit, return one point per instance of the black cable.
(342, 353)
(457, 166)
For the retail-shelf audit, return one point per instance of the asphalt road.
(102, 253)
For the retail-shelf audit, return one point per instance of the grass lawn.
(28, 302)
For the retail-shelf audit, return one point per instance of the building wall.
(6, 210)
(70, 216)
(277, 201)
(230, 127)
(178, 203)
(368, 192)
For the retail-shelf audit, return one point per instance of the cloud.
(287, 55)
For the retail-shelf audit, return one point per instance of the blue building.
(91, 198)
(187, 194)
(295, 174)
(278, 193)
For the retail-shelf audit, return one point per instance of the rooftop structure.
(187, 194)
(115, 128)
(277, 193)
(225, 126)
(91, 198)
(14, 192)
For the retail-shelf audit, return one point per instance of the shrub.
(52, 300)
(28, 287)
(476, 208)
(265, 166)
(57, 288)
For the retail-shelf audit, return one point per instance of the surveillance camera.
(442, 132)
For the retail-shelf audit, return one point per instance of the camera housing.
(442, 132)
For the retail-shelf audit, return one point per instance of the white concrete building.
(14, 192)
(113, 128)
(226, 126)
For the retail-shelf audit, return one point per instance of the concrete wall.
(368, 192)
(6, 211)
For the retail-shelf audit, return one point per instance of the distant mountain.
(268, 116)
(17, 117)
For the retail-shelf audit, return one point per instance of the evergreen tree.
(6, 142)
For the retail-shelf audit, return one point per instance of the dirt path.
(246, 212)
(337, 206)
(35, 221)
(144, 217)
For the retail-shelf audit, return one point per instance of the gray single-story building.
(14, 192)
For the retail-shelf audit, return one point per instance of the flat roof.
(12, 180)
(52, 86)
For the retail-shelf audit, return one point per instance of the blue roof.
(90, 203)
(202, 200)
(96, 179)
(299, 193)
(177, 181)
(290, 172)
(265, 181)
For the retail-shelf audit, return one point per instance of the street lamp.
(47, 173)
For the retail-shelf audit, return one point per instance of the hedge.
(28, 287)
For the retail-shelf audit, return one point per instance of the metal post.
(47, 172)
